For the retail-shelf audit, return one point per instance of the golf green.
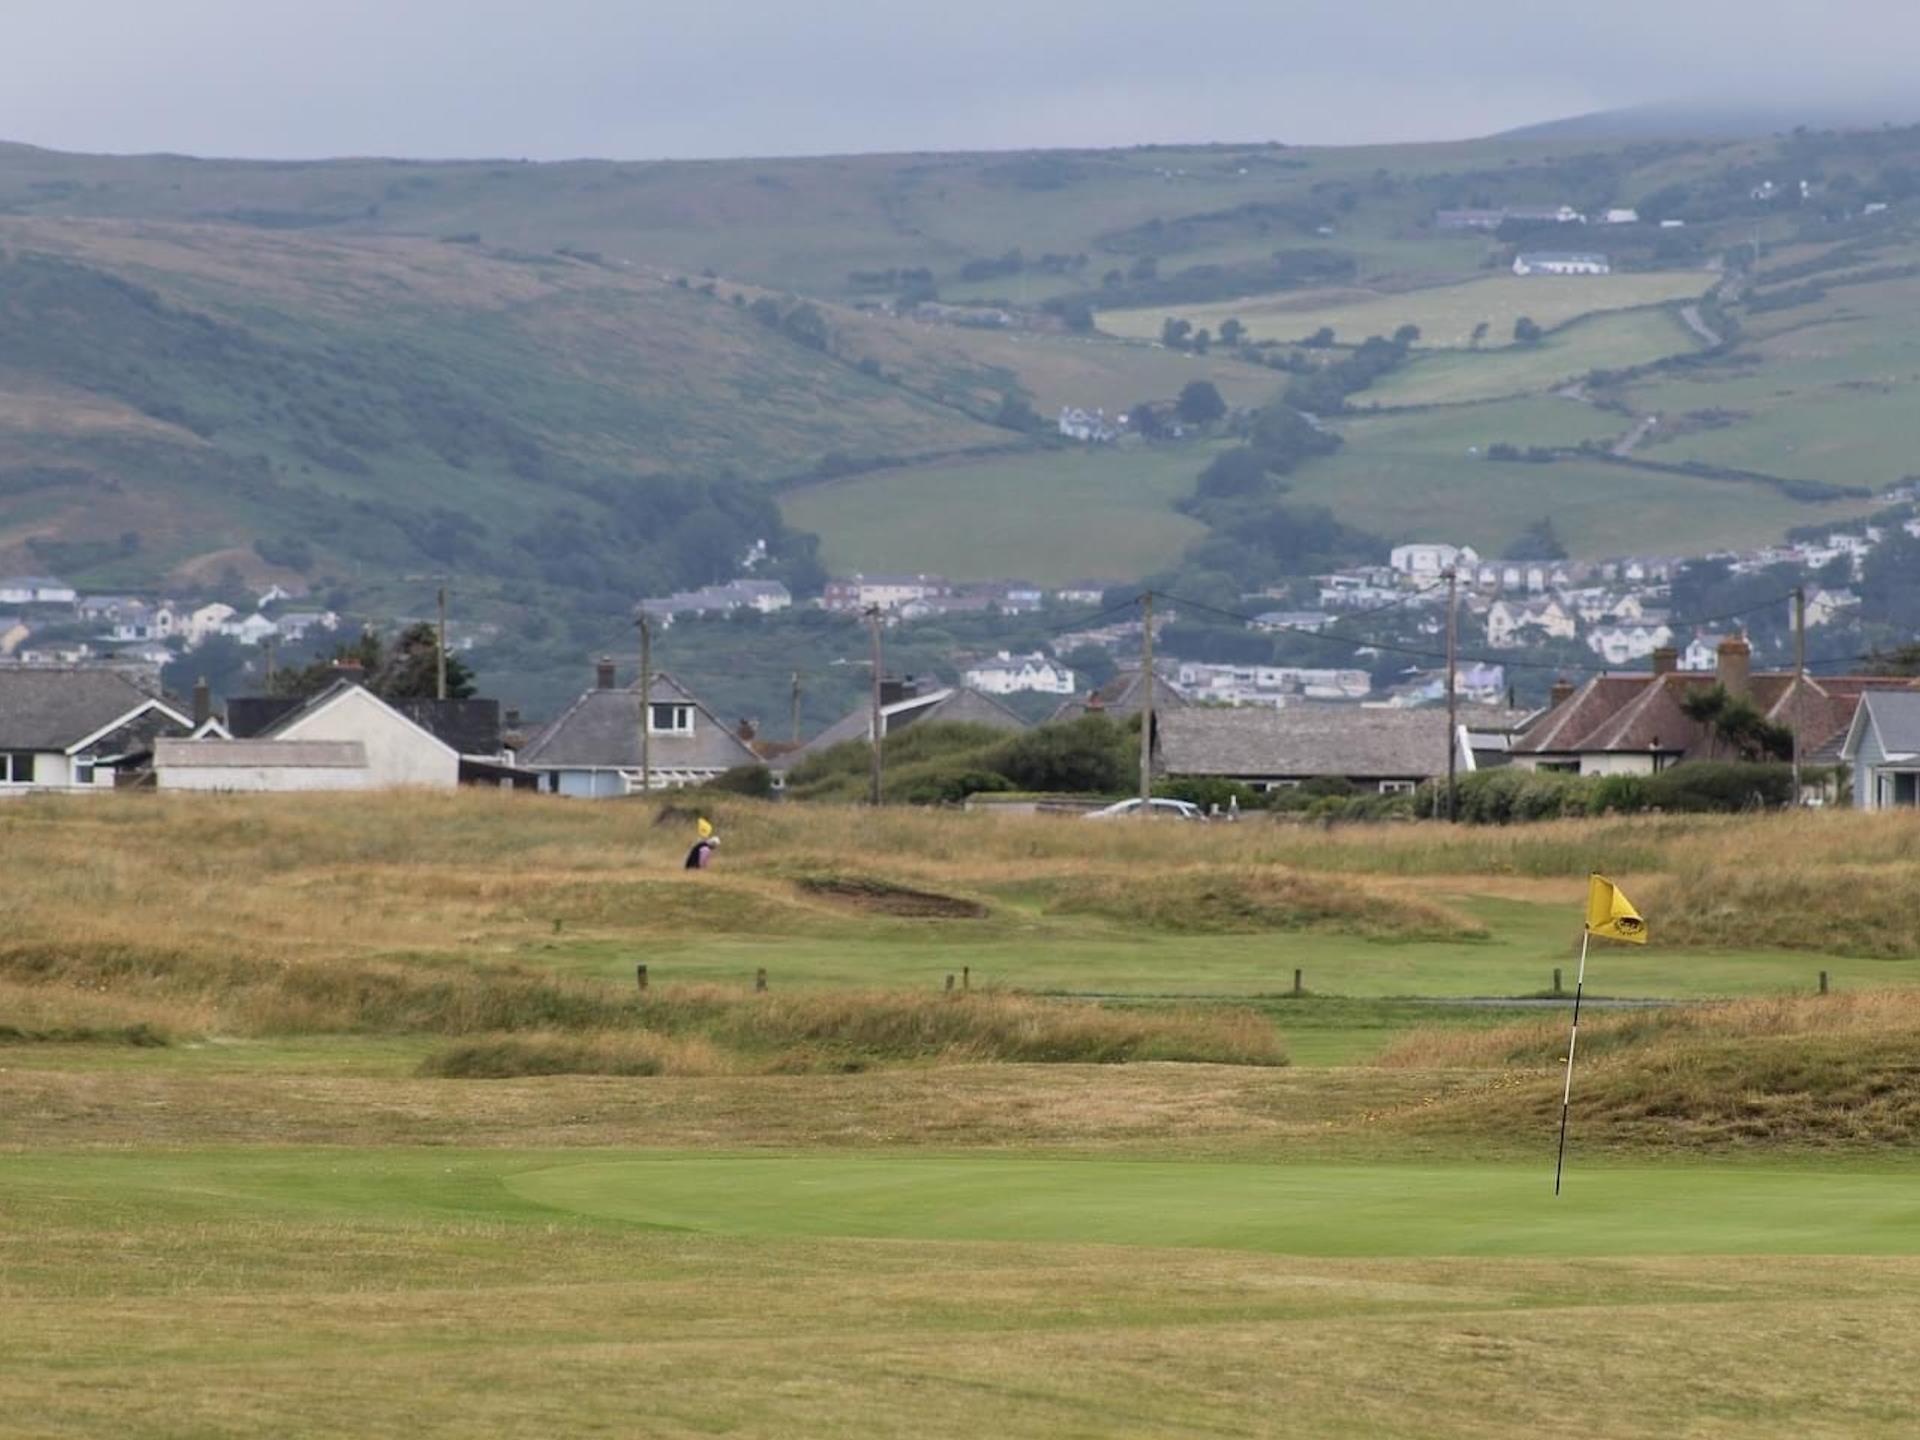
(1382, 1209)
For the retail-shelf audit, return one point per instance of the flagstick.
(1573, 1038)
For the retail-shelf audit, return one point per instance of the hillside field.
(1446, 314)
(1049, 517)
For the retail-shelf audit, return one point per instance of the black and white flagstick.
(1573, 1039)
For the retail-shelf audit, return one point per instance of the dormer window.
(670, 719)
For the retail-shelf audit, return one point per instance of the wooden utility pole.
(796, 707)
(440, 647)
(876, 786)
(1453, 694)
(1799, 679)
(267, 645)
(646, 701)
(1146, 703)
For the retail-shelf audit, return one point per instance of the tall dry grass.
(709, 1030)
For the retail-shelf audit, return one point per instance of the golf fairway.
(1383, 1210)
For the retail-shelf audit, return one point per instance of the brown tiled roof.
(1619, 714)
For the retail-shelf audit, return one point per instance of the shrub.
(755, 781)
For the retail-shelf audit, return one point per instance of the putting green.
(1384, 1209)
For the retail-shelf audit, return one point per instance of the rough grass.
(1241, 899)
(708, 1030)
(1821, 1071)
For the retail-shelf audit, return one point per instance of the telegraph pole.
(646, 701)
(875, 786)
(1146, 703)
(1453, 693)
(440, 647)
(796, 707)
(1799, 679)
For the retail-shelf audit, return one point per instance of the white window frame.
(1398, 787)
(682, 718)
(7, 759)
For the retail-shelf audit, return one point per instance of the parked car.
(1173, 809)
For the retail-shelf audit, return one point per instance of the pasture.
(1446, 314)
(246, 1188)
(1049, 516)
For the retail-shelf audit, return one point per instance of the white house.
(71, 728)
(1509, 621)
(1091, 426)
(1427, 560)
(296, 625)
(209, 619)
(1702, 652)
(1622, 216)
(592, 751)
(137, 620)
(1005, 674)
(344, 738)
(36, 590)
(1561, 262)
(1824, 606)
(1883, 749)
(885, 592)
(1623, 644)
(252, 630)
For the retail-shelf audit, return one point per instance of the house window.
(83, 770)
(671, 720)
(16, 768)
(1397, 787)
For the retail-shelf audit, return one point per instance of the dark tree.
(1526, 332)
(1539, 541)
(1174, 333)
(1200, 402)
(1320, 339)
(1406, 335)
(1232, 332)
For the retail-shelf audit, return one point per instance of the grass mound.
(1820, 1071)
(707, 1030)
(1238, 899)
(1790, 903)
(884, 897)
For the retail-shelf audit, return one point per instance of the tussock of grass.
(1230, 899)
(1789, 903)
(708, 1030)
(1819, 1070)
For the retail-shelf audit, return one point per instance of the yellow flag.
(705, 827)
(1611, 914)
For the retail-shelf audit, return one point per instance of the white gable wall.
(399, 752)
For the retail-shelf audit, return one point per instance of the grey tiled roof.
(601, 730)
(1304, 741)
(55, 707)
(960, 705)
(1895, 716)
(1120, 697)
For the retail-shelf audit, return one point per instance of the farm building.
(1561, 262)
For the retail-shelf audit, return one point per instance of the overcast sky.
(637, 79)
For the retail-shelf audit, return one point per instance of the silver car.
(1172, 809)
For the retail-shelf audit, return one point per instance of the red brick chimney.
(1734, 667)
(603, 673)
(1561, 692)
(1666, 660)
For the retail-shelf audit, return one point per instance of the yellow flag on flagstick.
(1611, 915)
(705, 827)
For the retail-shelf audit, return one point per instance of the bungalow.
(592, 751)
(1560, 262)
(1882, 749)
(343, 738)
(1637, 724)
(74, 728)
(1426, 561)
(883, 592)
(1386, 751)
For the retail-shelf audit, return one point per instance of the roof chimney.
(1561, 692)
(1735, 665)
(1666, 660)
(894, 690)
(603, 673)
(202, 702)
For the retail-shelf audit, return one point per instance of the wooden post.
(640, 976)
(1823, 982)
(646, 702)
(1146, 705)
(949, 984)
(1299, 983)
(760, 979)
(557, 923)
(966, 977)
(1556, 981)
(1453, 696)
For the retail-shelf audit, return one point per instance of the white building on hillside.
(1006, 673)
(1561, 262)
(1429, 560)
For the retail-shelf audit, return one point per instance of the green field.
(1608, 340)
(1446, 314)
(1049, 517)
(1413, 475)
